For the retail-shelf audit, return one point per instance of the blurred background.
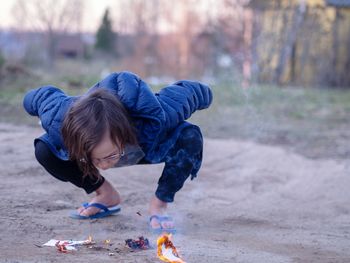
(280, 70)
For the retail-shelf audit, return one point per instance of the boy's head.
(95, 131)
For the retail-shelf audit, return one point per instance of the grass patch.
(314, 122)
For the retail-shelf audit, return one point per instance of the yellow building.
(303, 42)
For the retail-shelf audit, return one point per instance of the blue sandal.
(105, 211)
(161, 219)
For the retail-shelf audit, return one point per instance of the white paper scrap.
(69, 244)
(168, 253)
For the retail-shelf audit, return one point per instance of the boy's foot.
(157, 210)
(106, 195)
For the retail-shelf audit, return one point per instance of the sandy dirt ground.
(250, 203)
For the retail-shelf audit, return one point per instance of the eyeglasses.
(112, 157)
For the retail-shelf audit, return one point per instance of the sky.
(93, 13)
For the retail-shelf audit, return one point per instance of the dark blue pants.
(180, 162)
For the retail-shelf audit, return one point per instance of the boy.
(118, 122)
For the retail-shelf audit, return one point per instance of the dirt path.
(250, 203)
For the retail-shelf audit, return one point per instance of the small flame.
(173, 256)
(107, 241)
(89, 241)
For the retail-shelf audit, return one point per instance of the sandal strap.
(160, 218)
(97, 205)
(154, 216)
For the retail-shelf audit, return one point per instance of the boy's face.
(106, 154)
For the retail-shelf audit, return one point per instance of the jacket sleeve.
(182, 99)
(43, 102)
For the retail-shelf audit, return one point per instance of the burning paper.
(67, 245)
(166, 251)
(62, 247)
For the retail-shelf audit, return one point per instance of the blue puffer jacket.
(158, 117)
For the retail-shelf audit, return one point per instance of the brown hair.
(87, 121)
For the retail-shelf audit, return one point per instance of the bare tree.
(51, 17)
(140, 20)
(290, 41)
(146, 20)
(137, 16)
(270, 36)
(235, 23)
(336, 43)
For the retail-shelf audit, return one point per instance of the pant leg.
(66, 171)
(181, 161)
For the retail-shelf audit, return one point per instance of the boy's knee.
(42, 153)
(191, 138)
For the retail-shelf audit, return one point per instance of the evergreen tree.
(105, 36)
